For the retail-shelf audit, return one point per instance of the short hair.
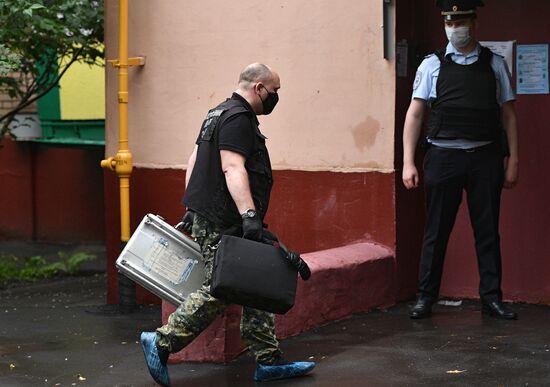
(255, 72)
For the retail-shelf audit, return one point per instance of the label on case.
(187, 272)
(167, 263)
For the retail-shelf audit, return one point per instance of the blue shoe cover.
(157, 367)
(265, 372)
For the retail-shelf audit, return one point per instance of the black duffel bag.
(254, 274)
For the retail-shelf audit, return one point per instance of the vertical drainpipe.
(121, 164)
(388, 26)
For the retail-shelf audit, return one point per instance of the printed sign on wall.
(532, 69)
(504, 49)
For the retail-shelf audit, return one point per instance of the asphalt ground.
(60, 333)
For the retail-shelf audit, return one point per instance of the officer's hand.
(410, 176)
(253, 228)
(299, 264)
(510, 172)
(187, 221)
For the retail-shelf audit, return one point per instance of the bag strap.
(294, 258)
(271, 238)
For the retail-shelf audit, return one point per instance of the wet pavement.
(59, 333)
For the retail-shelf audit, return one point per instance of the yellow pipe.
(124, 156)
(122, 162)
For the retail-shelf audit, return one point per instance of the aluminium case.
(163, 260)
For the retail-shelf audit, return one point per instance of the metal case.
(162, 260)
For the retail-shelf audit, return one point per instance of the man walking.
(228, 184)
(472, 118)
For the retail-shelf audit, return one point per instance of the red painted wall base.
(51, 193)
(310, 211)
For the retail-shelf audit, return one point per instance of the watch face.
(249, 214)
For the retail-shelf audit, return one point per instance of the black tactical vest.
(207, 193)
(466, 105)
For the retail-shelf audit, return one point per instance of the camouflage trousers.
(200, 309)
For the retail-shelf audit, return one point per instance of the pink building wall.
(331, 137)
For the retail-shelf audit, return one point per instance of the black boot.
(498, 309)
(422, 308)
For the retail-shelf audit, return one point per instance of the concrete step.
(345, 280)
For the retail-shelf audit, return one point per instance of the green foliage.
(36, 35)
(8, 60)
(32, 268)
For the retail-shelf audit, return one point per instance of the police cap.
(458, 9)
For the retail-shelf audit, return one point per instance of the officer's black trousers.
(448, 173)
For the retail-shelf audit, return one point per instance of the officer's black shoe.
(422, 308)
(498, 309)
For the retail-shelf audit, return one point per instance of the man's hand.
(253, 228)
(187, 221)
(410, 176)
(299, 264)
(510, 172)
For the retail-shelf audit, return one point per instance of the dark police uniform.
(464, 133)
(232, 126)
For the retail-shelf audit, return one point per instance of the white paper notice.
(167, 263)
(532, 63)
(503, 48)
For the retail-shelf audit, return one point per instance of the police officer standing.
(472, 117)
(228, 184)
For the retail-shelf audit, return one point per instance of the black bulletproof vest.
(466, 105)
(207, 193)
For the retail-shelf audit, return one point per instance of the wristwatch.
(249, 213)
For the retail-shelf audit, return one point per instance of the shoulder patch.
(417, 80)
(210, 123)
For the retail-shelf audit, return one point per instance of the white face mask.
(458, 36)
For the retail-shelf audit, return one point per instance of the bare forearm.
(411, 133)
(511, 128)
(190, 165)
(238, 185)
(509, 122)
(410, 139)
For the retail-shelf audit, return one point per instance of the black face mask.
(270, 101)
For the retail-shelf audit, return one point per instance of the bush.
(13, 268)
(39, 41)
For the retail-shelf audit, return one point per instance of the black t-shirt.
(231, 126)
(235, 135)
